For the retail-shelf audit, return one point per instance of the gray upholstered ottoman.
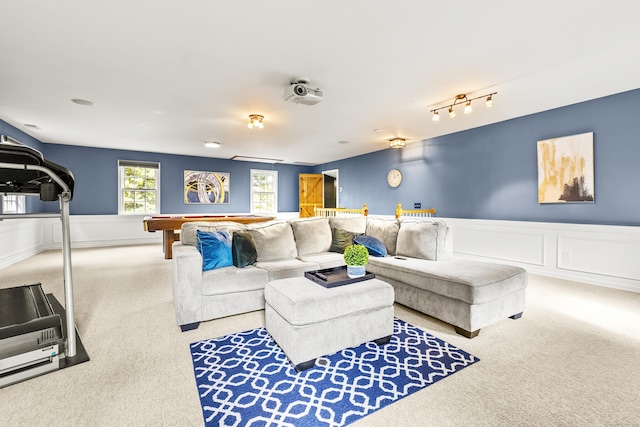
(308, 321)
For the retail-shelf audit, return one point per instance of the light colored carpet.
(573, 359)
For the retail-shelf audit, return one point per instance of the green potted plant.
(356, 257)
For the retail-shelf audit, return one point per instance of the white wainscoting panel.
(21, 238)
(502, 243)
(100, 230)
(616, 258)
(598, 254)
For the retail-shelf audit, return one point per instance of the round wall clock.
(394, 177)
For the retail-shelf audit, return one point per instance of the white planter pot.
(354, 271)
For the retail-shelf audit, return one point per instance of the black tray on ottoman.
(336, 276)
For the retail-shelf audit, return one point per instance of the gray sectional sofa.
(420, 266)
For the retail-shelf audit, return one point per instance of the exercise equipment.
(36, 334)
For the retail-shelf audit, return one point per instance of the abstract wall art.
(206, 187)
(565, 169)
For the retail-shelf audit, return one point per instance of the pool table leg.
(168, 237)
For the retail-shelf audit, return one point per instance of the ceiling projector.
(300, 92)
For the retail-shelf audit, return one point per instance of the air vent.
(47, 335)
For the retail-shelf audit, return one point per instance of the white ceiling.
(165, 76)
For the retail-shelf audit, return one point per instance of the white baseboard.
(597, 254)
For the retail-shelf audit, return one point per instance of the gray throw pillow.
(312, 235)
(274, 241)
(385, 230)
(357, 224)
(423, 240)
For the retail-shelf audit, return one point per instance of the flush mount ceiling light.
(467, 107)
(255, 120)
(397, 142)
(212, 144)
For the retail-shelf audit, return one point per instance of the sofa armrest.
(187, 283)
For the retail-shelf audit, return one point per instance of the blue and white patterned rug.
(245, 379)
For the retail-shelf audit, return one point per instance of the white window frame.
(274, 175)
(122, 164)
(14, 204)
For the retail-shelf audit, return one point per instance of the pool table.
(170, 224)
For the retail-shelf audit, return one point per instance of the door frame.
(334, 173)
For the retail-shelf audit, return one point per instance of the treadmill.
(37, 335)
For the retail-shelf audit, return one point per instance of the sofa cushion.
(324, 259)
(286, 268)
(188, 229)
(357, 224)
(374, 246)
(233, 280)
(274, 241)
(312, 235)
(422, 239)
(243, 249)
(215, 248)
(341, 239)
(385, 230)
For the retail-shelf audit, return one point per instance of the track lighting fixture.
(255, 120)
(467, 108)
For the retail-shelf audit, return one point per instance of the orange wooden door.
(310, 193)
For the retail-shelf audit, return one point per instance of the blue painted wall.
(485, 173)
(491, 172)
(96, 174)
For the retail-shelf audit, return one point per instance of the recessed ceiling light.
(343, 142)
(377, 130)
(82, 102)
(32, 126)
(211, 144)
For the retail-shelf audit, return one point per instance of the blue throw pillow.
(215, 248)
(373, 245)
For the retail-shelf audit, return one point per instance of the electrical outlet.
(567, 255)
(417, 205)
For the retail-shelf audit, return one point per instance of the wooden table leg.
(168, 237)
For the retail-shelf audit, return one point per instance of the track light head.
(489, 102)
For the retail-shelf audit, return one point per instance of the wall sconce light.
(467, 108)
(255, 120)
(397, 142)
